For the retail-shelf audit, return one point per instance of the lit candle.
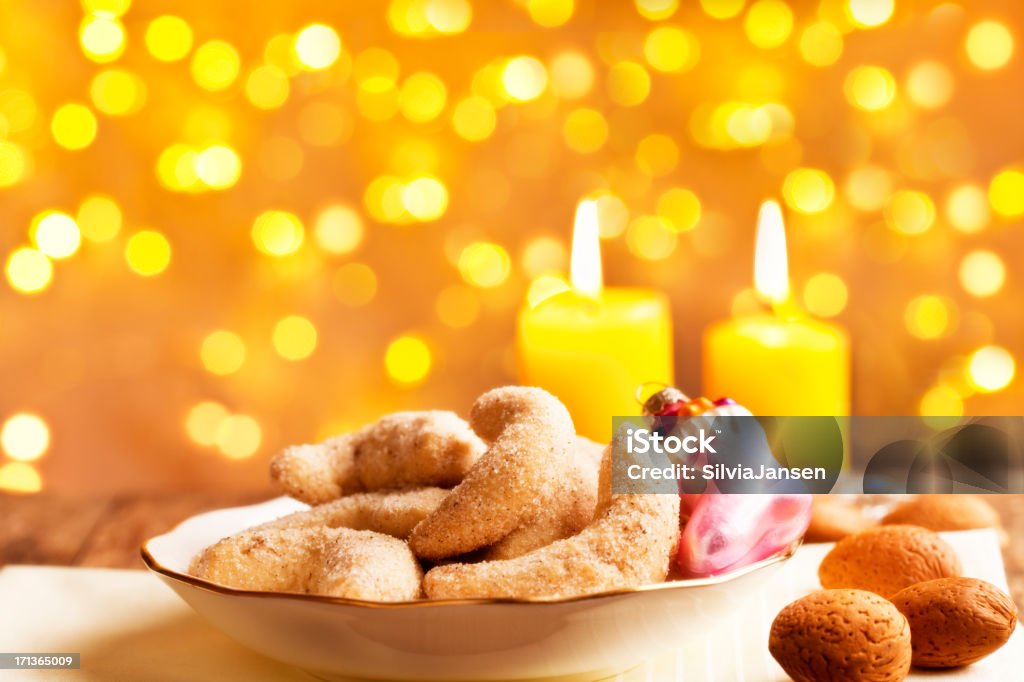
(594, 347)
(780, 362)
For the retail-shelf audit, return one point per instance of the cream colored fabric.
(128, 626)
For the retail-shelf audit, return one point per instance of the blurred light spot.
(215, 65)
(544, 255)
(294, 337)
(99, 218)
(169, 38)
(325, 124)
(425, 198)
(821, 44)
(671, 50)
(929, 317)
(544, 287)
(585, 130)
(870, 13)
(19, 477)
(825, 294)
(967, 208)
(808, 190)
(457, 306)
(612, 214)
(550, 13)
(176, 168)
(408, 360)
(280, 52)
(218, 166)
(73, 126)
(17, 110)
(1006, 193)
(449, 16)
(746, 302)
(941, 401)
(203, 421)
(414, 155)
(277, 233)
(656, 10)
(354, 284)
(982, 273)
(338, 229)
(484, 264)
(989, 45)
(25, 437)
(650, 238)
(680, 208)
(768, 23)
(870, 88)
(28, 270)
(102, 37)
(55, 234)
(239, 436)
(222, 352)
(628, 84)
(474, 118)
(117, 92)
(148, 253)
(378, 99)
(423, 97)
(267, 87)
(317, 46)
(868, 187)
(910, 212)
(13, 163)
(929, 84)
(376, 63)
(657, 155)
(991, 368)
(722, 9)
(383, 199)
(572, 75)
(114, 8)
(524, 78)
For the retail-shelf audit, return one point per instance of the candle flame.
(771, 266)
(585, 264)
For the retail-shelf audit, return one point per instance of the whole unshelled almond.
(956, 621)
(841, 635)
(886, 559)
(945, 512)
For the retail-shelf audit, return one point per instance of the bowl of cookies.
(426, 547)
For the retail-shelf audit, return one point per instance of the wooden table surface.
(107, 531)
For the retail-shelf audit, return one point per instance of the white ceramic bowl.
(473, 639)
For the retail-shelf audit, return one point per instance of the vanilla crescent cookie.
(335, 562)
(527, 468)
(401, 450)
(629, 543)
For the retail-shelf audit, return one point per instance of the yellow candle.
(594, 347)
(780, 362)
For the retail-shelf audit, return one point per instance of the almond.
(833, 519)
(886, 559)
(945, 512)
(847, 635)
(956, 621)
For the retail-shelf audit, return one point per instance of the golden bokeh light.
(870, 13)
(808, 190)
(868, 187)
(73, 126)
(218, 166)
(425, 198)
(929, 84)
(524, 78)
(680, 208)
(114, 8)
(55, 234)
(982, 273)
(967, 208)
(989, 45)
(408, 360)
(821, 44)
(544, 255)
(722, 9)
(941, 401)
(572, 74)
(671, 49)
(99, 218)
(117, 92)
(222, 352)
(20, 477)
(13, 163)
(278, 233)
(203, 421)
(354, 284)
(239, 436)
(338, 229)
(991, 368)
(1006, 193)
(423, 97)
(294, 337)
(910, 212)
(651, 238)
(657, 155)
(929, 317)
(474, 118)
(484, 264)
(871, 88)
(628, 84)
(267, 87)
(544, 287)
(215, 65)
(24, 437)
(585, 130)
(28, 270)
(169, 38)
(317, 47)
(656, 10)
(612, 214)
(148, 253)
(768, 23)
(102, 37)
(825, 294)
(550, 13)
